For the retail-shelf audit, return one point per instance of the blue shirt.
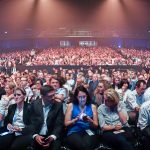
(109, 117)
(46, 110)
(134, 100)
(80, 125)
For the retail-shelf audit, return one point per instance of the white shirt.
(29, 92)
(147, 94)
(44, 129)
(4, 104)
(144, 115)
(125, 95)
(133, 100)
(18, 120)
(45, 114)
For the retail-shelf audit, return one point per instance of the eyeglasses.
(17, 94)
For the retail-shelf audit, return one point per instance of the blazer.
(55, 118)
(27, 116)
(92, 87)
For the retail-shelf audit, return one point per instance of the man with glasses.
(51, 123)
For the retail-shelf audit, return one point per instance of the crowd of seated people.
(136, 57)
(76, 56)
(75, 108)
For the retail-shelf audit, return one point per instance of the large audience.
(77, 56)
(75, 109)
(69, 108)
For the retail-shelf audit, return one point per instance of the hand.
(118, 127)
(10, 127)
(4, 97)
(87, 118)
(11, 96)
(47, 142)
(39, 139)
(75, 120)
(45, 146)
(16, 129)
(57, 100)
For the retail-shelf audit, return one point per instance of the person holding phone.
(81, 122)
(113, 120)
(49, 132)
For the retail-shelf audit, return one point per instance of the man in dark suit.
(92, 85)
(52, 119)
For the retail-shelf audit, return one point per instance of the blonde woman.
(6, 101)
(113, 120)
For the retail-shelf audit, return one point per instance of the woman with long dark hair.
(81, 121)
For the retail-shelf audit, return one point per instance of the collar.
(44, 106)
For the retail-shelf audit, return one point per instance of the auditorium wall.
(40, 43)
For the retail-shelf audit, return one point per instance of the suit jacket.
(55, 118)
(29, 126)
(92, 87)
